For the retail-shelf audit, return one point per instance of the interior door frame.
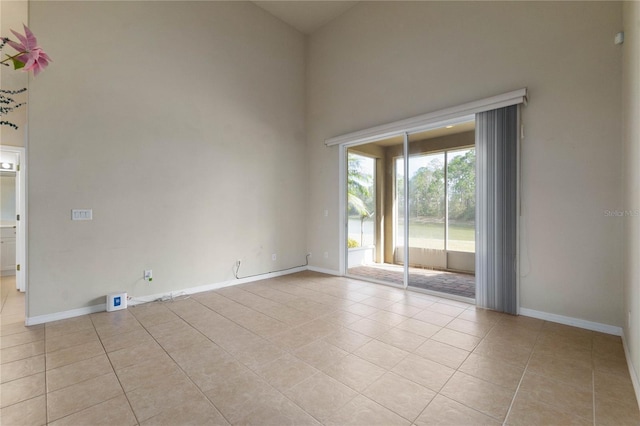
(21, 211)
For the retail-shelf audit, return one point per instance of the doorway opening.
(422, 231)
(12, 234)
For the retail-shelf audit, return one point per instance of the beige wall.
(181, 124)
(13, 13)
(631, 167)
(385, 61)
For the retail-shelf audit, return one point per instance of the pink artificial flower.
(30, 54)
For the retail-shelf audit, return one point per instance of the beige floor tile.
(457, 339)
(425, 372)
(321, 395)
(480, 315)
(285, 372)
(504, 351)
(111, 412)
(444, 411)
(361, 309)
(611, 412)
(15, 328)
(611, 364)
(71, 339)
(278, 412)
(400, 395)
(434, 318)
(71, 325)
(209, 353)
(614, 386)
(418, 327)
(363, 411)
(148, 372)
(571, 372)
(495, 371)
(562, 348)
(354, 372)
(402, 339)
(126, 340)
(77, 372)
(388, 318)
(527, 411)
(168, 328)
(21, 368)
(259, 354)
(574, 400)
(73, 354)
(347, 340)
(21, 338)
(293, 339)
(180, 341)
(369, 327)
(239, 400)
(341, 317)
(444, 354)
(21, 389)
(381, 354)
(196, 412)
(153, 316)
(490, 399)
(320, 354)
(82, 395)
(446, 309)
(470, 327)
(16, 353)
(207, 374)
(401, 308)
(159, 396)
(32, 412)
(133, 355)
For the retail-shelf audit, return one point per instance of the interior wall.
(181, 124)
(13, 13)
(631, 162)
(385, 61)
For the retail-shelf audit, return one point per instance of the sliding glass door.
(410, 209)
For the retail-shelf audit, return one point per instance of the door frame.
(21, 211)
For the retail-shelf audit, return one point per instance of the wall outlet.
(274, 256)
(309, 254)
(148, 275)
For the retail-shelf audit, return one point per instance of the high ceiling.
(306, 16)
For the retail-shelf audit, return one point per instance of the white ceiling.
(306, 16)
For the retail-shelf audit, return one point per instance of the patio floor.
(442, 281)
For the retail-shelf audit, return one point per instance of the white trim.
(575, 322)
(21, 209)
(41, 319)
(632, 370)
(423, 122)
(150, 298)
(325, 271)
(342, 213)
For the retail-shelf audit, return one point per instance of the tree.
(461, 177)
(359, 191)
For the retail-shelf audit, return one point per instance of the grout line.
(515, 394)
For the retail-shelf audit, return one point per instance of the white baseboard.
(632, 370)
(324, 271)
(209, 287)
(41, 319)
(575, 322)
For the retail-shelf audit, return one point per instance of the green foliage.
(426, 189)
(351, 243)
(360, 189)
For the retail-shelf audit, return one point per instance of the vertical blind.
(496, 209)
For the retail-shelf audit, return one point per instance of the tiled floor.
(311, 349)
(429, 279)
